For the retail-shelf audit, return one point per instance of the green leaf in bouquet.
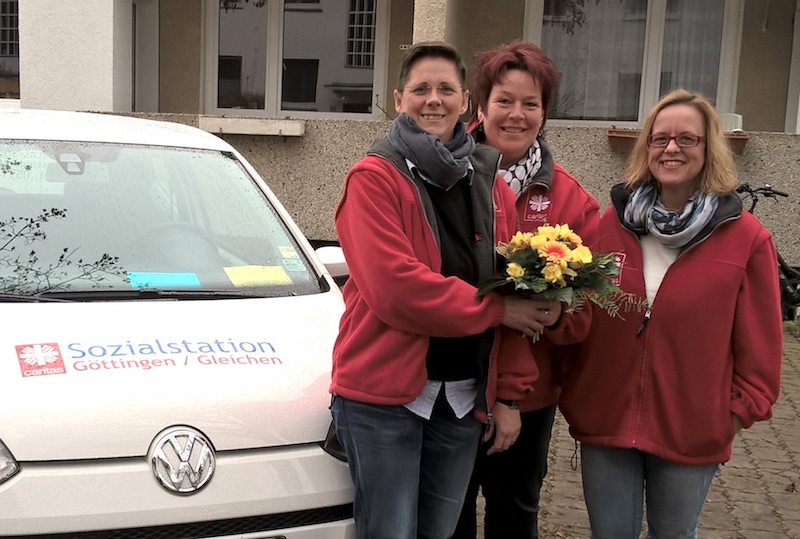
(564, 295)
(490, 285)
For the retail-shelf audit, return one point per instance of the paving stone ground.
(756, 495)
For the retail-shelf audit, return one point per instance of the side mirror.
(333, 258)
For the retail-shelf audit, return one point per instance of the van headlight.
(8, 465)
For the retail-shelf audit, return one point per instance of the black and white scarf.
(645, 214)
(520, 175)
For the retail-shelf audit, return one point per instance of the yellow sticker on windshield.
(288, 251)
(257, 275)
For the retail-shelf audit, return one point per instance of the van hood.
(102, 379)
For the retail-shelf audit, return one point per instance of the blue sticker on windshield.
(146, 279)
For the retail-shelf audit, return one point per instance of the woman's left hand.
(505, 427)
(548, 311)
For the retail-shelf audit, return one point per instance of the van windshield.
(97, 218)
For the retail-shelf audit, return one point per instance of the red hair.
(492, 64)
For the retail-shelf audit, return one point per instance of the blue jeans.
(617, 483)
(410, 474)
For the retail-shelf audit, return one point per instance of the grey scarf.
(645, 214)
(441, 164)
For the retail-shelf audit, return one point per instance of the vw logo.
(182, 460)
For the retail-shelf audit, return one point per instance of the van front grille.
(212, 528)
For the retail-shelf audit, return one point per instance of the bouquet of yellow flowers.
(555, 263)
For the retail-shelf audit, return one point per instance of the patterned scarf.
(441, 164)
(520, 175)
(645, 214)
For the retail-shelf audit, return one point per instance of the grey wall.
(307, 172)
(180, 55)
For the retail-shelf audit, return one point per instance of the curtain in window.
(598, 47)
(692, 46)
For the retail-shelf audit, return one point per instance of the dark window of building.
(9, 49)
(230, 81)
(299, 83)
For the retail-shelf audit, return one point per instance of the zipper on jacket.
(489, 417)
(649, 310)
(645, 320)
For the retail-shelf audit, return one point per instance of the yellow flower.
(549, 232)
(514, 270)
(537, 240)
(554, 251)
(574, 239)
(519, 241)
(555, 272)
(580, 256)
(552, 273)
(563, 231)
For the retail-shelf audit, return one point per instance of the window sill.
(308, 8)
(623, 140)
(9, 103)
(253, 126)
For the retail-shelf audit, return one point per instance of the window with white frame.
(617, 57)
(271, 57)
(9, 49)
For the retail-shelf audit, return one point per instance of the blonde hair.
(718, 174)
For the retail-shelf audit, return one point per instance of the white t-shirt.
(657, 259)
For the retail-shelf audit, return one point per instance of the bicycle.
(788, 275)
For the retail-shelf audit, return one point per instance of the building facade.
(302, 87)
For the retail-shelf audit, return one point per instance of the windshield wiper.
(156, 293)
(30, 298)
(196, 294)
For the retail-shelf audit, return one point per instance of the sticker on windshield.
(257, 275)
(147, 279)
(294, 265)
(288, 251)
(40, 359)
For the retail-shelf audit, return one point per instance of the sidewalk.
(755, 496)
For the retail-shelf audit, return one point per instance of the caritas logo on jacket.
(536, 207)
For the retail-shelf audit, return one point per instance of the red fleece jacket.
(712, 347)
(396, 297)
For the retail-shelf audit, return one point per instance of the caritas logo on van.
(40, 359)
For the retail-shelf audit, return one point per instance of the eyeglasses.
(424, 90)
(684, 140)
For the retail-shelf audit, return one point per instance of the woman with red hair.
(513, 91)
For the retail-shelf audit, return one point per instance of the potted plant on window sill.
(623, 140)
(737, 140)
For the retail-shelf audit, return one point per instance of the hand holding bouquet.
(554, 263)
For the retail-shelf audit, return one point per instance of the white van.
(166, 346)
